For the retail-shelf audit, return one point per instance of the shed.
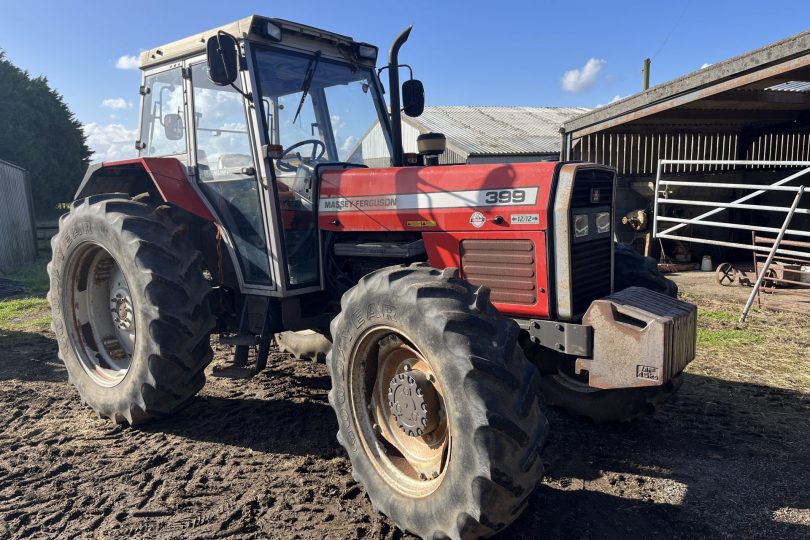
(753, 107)
(18, 243)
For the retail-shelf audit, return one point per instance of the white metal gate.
(673, 228)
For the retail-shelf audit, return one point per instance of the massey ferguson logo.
(596, 195)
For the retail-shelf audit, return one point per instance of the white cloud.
(110, 142)
(577, 80)
(348, 145)
(127, 62)
(704, 66)
(616, 98)
(116, 103)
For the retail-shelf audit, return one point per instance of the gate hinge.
(143, 90)
(140, 145)
(186, 72)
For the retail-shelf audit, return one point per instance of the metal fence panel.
(17, 227)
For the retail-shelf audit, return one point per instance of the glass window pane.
(163, 131)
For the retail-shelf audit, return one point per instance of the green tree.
(39, 133)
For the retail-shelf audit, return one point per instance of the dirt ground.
(728, 457)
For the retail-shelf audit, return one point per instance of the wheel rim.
(726, 274)
(102, 315)
(390, 381)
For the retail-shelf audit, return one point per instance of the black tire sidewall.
(88, 225)
(377, 309)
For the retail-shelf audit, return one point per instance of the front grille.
(590, 273)
(588, 180)
(591, 260)
(507, 267)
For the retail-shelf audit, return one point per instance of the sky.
(506, 52)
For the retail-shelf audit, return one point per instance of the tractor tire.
(632, 269)
(437, 406)
(604, 406)
(130, 307)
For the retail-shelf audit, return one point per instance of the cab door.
(291, 192)
(227, 174)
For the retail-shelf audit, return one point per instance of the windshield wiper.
(313, 64)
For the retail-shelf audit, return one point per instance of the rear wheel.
(130, 307)
(436, 404)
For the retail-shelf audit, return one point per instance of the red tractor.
(458, 295)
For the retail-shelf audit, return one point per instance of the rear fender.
(164, 179)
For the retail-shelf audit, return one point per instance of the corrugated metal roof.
(498, 130)
(791, 86)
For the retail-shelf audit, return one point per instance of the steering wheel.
(286, 167)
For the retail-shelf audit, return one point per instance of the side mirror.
(223, 59)
(173, 127)
(413, 97)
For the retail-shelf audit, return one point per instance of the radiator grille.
(591, 260)
(590, 273)
(588, 180)
(507, 267)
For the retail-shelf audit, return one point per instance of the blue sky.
(467, 53)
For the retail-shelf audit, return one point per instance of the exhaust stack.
(393, 88)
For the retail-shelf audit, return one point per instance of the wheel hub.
(414, 403)
(121, 308)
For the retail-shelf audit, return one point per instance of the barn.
(477, 134)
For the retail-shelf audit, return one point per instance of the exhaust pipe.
(393, 88)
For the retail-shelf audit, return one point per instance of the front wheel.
(436, 403)
(130, 307)
(603, 406)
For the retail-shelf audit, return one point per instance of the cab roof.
(249, 28)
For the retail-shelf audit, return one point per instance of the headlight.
(602, 222)
(580, 225)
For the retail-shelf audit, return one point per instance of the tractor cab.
(254, 110)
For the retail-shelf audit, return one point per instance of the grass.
(771, 348)
(27, 312)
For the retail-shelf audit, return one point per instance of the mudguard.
(165, 178)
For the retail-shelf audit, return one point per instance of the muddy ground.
(727, 458)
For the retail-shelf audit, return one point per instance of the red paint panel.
(425, 180)
(172, 183)
(444, 248)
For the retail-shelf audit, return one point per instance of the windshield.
(336, 104)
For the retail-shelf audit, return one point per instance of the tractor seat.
(231, 161)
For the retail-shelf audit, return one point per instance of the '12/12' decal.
(440, 199)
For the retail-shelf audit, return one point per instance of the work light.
(364, 50)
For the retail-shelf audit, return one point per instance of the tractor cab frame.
(300, 102)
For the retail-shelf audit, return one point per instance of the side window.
(163, 131)
(221, 127)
